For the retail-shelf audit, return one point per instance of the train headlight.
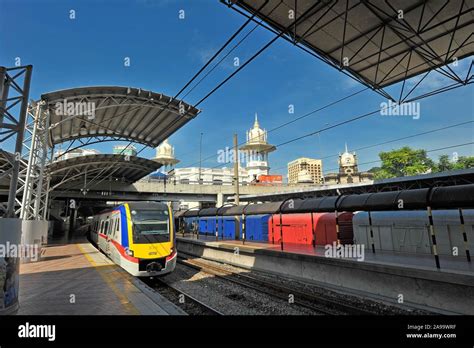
(129, 252)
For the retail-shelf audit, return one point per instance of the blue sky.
(166, 51)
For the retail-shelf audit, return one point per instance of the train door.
(114, 254)
(93, 234)
(386, 237)
(300, 234)
(107, 236)
(100, 237)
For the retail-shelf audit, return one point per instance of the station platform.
(412, 279)
(77, 279)
(449, 264)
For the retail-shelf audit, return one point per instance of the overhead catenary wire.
(397, 139)
(427, 151)
(302, 17)
(320, 130)
(249, 19)
(231, 38)
(315, 111)
(226, 55)
(252, 58)
(223, 82)
(404, 138)
(353, 119)
(367, 88)
(379, 160)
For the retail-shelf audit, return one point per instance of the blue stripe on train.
(123, 221)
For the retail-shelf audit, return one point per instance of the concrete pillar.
(220, 200)
(72, 222)
(34, 236)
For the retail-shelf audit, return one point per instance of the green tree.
(403, 162)
(443, 164)
(464, 162)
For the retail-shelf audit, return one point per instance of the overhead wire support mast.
(14, 126)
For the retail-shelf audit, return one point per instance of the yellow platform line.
(131, 309)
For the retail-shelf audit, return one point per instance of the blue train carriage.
(138, 236)
(256, 227)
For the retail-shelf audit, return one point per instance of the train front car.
(148, 239)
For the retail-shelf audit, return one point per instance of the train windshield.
(150, 226)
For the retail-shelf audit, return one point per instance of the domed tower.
(256, 150)
(165, 155)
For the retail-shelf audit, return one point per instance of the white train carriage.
(408, 231)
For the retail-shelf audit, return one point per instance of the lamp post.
(200, 159)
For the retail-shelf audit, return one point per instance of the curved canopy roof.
(121, 112)
(378, 42)
(127, 169)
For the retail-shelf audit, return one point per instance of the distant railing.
(174, 181)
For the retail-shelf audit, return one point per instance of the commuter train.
(137, 236)
(395, 231)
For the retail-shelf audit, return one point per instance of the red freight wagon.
(297, 228)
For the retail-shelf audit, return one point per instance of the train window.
(117, 228)
(101, 227)
(107, 227)
(150, 226)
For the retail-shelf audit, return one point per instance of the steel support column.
(11, 126)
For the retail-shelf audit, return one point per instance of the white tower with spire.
(348, 162)
(256, 150)
(165, 155)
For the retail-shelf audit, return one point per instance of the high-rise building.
(305, 170)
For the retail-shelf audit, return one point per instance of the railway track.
(188, 303)
(313, 302)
